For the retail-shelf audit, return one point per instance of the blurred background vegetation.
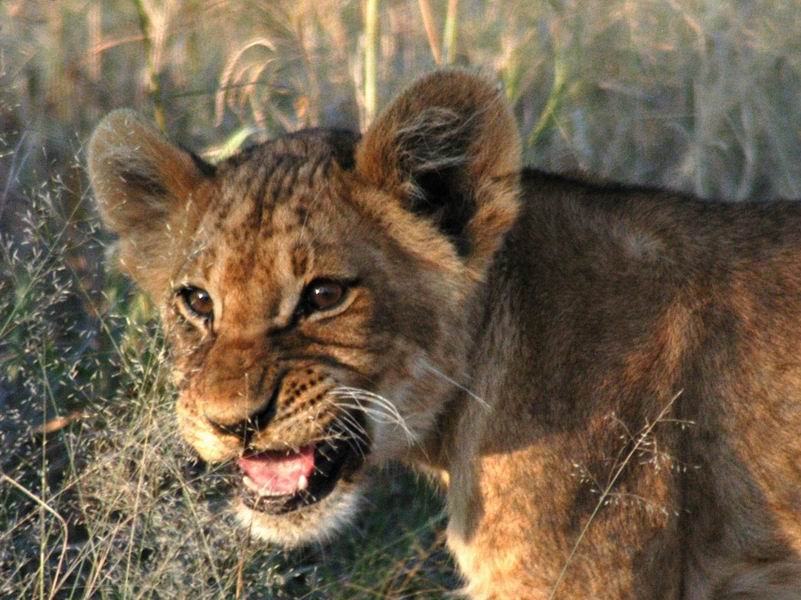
(97, 496)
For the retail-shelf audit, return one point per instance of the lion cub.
(607, 380)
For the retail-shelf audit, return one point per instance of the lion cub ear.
(449, 149)
(148, 192)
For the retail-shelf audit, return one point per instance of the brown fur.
(607, 379)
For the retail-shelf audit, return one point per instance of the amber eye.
(322, 295)
(198, 301)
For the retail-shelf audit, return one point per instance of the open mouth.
(282, 481)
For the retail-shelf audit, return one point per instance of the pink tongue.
(278, 472)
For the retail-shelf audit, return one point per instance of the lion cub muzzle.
(290, 449)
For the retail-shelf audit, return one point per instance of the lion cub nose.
(282, 409)
(242, 419)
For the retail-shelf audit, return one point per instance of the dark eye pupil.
(326, 295)
(200, 302)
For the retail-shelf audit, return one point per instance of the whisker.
(351, 425)
(378, 407)
(352, 433)
(379, 415)
(387, 407)
(375, 398)
(429, 367)
(351, 441)
(354, 427)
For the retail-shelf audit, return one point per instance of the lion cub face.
(316, 290)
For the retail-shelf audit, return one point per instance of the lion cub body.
(640, 356)
(607, 379)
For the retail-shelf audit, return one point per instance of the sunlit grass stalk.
(61, 522)
(305, 34)
(370, 62)
(154, 77)
(555, 98)
(43, 533)
(431, 30)
(94, 21)
(449, 34)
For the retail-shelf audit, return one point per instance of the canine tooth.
(303, 482)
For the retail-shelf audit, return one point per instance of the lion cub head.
(318, 291)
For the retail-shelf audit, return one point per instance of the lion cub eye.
(323, 295)
(198, 302)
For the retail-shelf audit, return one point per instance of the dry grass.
(98, 497)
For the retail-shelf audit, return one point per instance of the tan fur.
(607, 380)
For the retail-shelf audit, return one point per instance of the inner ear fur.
(449, 149)
(148, 192)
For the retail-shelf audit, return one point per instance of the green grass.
(698, 95)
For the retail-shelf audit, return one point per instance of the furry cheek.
(316, 524)
(209, 444)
